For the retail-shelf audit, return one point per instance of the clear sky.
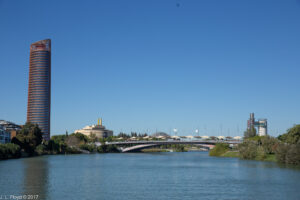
(157, 64)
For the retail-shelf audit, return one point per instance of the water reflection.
(36, 177)
(175, 176)
(264, 164)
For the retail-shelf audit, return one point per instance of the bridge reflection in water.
(142, 144)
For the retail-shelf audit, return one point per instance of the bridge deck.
(162, 142)
(137, 147)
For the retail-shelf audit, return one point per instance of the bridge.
(142, 144)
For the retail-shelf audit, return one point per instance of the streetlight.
(175, 131)
(197, 132)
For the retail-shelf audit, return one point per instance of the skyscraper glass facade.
(39, 89)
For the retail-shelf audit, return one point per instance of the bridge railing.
(175, 142)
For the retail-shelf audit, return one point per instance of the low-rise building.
(10, 127)
(4, 135)
(98, 130)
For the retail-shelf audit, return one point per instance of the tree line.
(284, 149)
(29, 142)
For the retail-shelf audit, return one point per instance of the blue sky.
(157, 65)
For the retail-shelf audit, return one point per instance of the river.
(184, 175)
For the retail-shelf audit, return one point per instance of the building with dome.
(98, 130)
(160, 134)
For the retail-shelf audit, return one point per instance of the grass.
(231, 154)
(270, 158)
(154, 150)
(219, 149)
(235, 154)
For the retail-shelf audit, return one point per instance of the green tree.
(292, 136)
(10, 150)
(93, 137)
(293, 154)
(269, 144)
(83, 138)
(88, 147)
(260, 153)
(112, 149)
(28, 138)
(219, 149)
(56, 146)
(73, 141)
(250, 133)
(248, 149)
(109, 139)
(281, 152)
(288, 153)
(102, 148)
(107, 149)
(41, 149)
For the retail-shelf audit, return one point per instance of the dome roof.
(160, 134)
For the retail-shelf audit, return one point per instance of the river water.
(186, 175)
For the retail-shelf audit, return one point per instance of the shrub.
(72, 150)
(59, 138)
(179, 148)
(88, 147)
(269, 144)
(107, 149)
(288, 152)
(250, 133)
(112, 149)
(281, 152)
(292, 136)
(102, 148)
(83, 138)
(28, 138)
(72, 140)
(219, 149)
(248, 149)
(260, 153)
(10, 151)
(40, 149)
(293, 155)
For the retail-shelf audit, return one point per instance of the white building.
(4, 135)
(98, 130)
(262, 127)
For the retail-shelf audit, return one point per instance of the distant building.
(160, 134)
(261, 124)
(39, 87)
(262, 127)
(10, 127)
(98, 130)
(4, 135)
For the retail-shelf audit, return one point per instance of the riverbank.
(155, 150)
(261, 148)
(235, 154)
(223, 150)
(53, 147)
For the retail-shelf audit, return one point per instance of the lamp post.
(175, 131)
(197, 132)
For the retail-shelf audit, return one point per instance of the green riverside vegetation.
(219, 149)
(285, 149)
(29, 142)
(10, 151)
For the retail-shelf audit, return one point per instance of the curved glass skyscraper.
(39, 89)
